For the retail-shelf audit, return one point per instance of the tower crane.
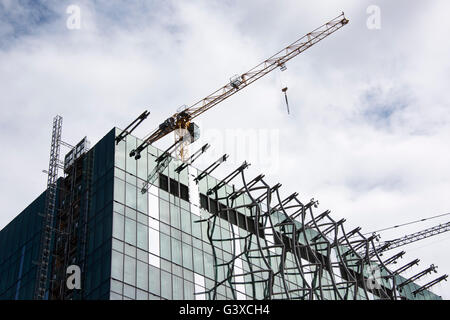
(413, 237)
(181, 122)
(407, 239)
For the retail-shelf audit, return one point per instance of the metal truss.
(50, 209)
(430, 284)
(288, 251)
(391, 244)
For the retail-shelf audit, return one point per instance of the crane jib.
(182, 119)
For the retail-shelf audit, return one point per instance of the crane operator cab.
(235, 81)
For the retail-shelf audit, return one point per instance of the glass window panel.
(131, 194)
(142, 275)
(119, 160)
(153, 241)
(119, 190)
(119, 173)
(115, 296)
(174, 200)
(130, 161)
(116, 286)
(130, 250)
(118, 226)
(203, 227)
(188, 275)
(177, 269)
(175, 216)
(186, 221)
(187, 256)
(142, 218)
(153, 223)
(142, 236)
(166, 265)
(154, 275)
(142, 166)
(198, 261)
(176, 251)
(197, 243)
(164, 228)
(209, 267)
(131, 179)
(163, 195)
(164, 214)
(166, 285)
(142, 255)
(130, 213)
(175, 233)
(130, 231)
(130, 271)
(118, 207)
(153, 206)
(141, 295)
(177, 288)
(188, 290)
(151, 163)
(196, 228)
(142, 201)
(165, 246)
(129, 292)
(154, 260)
(117, 245)
(186, 238)
(117, 265)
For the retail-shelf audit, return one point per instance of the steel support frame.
(332, 264)
(50, 209)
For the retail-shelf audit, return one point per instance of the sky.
(369, 128)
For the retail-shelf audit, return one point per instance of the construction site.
(125, 220)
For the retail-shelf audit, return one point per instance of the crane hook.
(285, 98)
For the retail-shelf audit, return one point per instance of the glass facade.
(179, 261)
(97, 256)
(19, 247)
(135, 245)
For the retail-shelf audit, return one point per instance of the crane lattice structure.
(49, 213)
(410, 238)
(181, 122)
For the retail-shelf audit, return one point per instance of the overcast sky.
(369, 129)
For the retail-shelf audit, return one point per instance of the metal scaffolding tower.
(50, 208)
(391, 244)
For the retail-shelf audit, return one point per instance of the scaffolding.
(50, 209)
(71, 220)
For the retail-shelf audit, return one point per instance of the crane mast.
(182, 120)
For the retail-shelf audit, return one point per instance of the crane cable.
(283, 87)
(408, 223)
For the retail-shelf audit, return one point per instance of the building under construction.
(129, 221)
(187, 235)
